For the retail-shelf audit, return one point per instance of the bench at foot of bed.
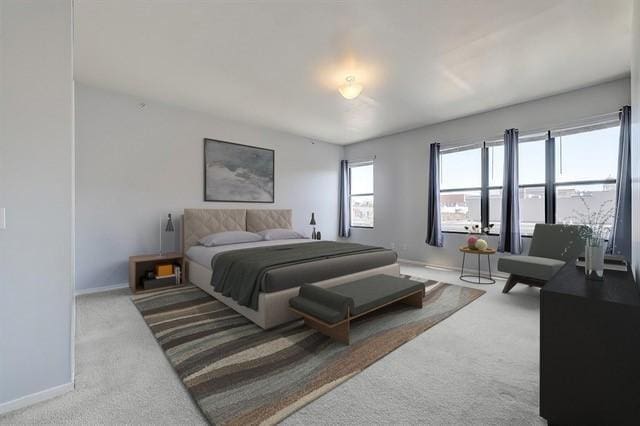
(330, 310)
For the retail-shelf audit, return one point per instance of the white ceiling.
(279, 63)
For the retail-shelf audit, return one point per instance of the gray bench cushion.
(321, 303)
(331, 304)
(541, 268)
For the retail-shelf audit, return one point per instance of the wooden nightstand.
(139, 265)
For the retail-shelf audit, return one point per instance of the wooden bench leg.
(414, 299)
(339, 331)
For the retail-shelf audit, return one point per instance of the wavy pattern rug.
(238, 373)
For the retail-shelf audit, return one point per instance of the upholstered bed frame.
(273, 308)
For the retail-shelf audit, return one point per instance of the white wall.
(402, 162)
(135, 165)
(36, 175)
(635, 138)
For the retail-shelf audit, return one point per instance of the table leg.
(477, 278)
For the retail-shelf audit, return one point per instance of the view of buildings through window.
(585, 173)
(460, 189)
(361, 195)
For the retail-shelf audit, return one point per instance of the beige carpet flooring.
(480, 366)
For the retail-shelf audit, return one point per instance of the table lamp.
(313, 223)
(170, 229)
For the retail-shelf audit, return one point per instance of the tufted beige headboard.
(261, 219)
(198, 223)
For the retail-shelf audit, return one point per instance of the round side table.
(477, 278)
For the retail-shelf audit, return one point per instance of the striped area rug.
(238, 373)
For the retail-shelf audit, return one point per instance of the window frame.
(372, 194)
(522, 186)
(550, 185)
(555, 185)
(463, 190)
(479, 189)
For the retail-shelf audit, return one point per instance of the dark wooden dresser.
(590, 349)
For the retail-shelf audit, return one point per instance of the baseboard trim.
(413, 262)
(34, 398)
(494, 274)
(101, 289)
(429, 265)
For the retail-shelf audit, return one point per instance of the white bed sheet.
(203, 255)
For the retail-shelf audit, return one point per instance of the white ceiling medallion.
(351, 89)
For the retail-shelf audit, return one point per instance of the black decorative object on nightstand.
(312, 222)
(590, 349)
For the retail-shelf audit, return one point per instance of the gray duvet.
(243, 274)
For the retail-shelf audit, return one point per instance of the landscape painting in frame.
(237, 173)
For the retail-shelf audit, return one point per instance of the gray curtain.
(620, 238)
(434, 228)
(510, 240)
(344, 228)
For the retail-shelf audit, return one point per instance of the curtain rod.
(575, 124)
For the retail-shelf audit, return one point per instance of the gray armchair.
(551, 247)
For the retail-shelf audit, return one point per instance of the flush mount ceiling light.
(351, 89)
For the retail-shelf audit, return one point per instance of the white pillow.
(229, 237)
(279, 234)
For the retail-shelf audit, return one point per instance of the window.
(585, 174)
(531, 179)
(587, 156)
(559, 179)
(361, 196)
(572, 201)
(460, 189)
(461, 169)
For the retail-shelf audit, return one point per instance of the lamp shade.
(313, 219)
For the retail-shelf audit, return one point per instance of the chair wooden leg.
(509, 284)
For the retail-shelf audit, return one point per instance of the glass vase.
(594, 259)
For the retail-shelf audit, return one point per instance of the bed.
(280, 284)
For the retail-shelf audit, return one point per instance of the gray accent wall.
(36, 175)
(137, 163)
(635, 139)
(401, 165)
